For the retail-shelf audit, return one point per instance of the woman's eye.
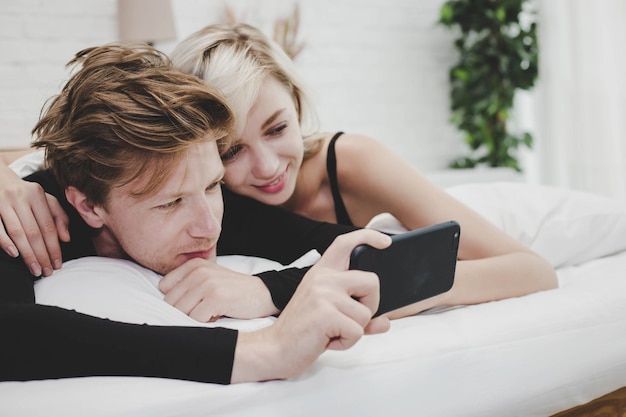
(277, 130)
(215, 185)
(231, 153)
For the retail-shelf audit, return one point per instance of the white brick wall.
(376, 67)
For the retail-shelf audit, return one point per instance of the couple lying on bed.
(133, 145)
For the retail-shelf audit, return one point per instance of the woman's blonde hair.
(237, 59)
(124, 112)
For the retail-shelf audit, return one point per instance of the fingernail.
(35, 269)
(47, 271)
(12, 251)
(58, 264)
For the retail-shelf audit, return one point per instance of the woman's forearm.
(490, 279)
(499, 277)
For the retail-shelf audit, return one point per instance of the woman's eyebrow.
(271, 119)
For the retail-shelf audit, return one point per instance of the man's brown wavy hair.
(124, 112)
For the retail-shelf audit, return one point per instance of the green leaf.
(528, 140)
(460, 74)
(446, 14)
(501, 14)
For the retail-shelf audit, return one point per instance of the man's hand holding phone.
(331, 309)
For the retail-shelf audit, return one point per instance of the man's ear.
(85, 207)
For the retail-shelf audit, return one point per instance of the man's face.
(181, 220)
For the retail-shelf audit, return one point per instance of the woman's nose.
(265, 162)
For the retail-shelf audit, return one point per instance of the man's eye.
(231, 153)
(169, 205)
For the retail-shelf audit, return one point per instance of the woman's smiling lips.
(275, 186)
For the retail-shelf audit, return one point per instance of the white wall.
(376, 67)
(37, 38)
(582, 96)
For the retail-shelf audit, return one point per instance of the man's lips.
(204, 254)
(275, 185)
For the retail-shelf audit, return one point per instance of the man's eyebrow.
(168, 194)
(271, 119)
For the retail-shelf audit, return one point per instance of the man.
(132, 146)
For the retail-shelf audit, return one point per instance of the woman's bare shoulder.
(357, 140)
(357, 151)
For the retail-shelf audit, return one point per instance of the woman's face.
(264, 162)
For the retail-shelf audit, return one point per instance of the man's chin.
(162, 268)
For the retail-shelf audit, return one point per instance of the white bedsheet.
(528, 356)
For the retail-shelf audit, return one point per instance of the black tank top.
(331, 168)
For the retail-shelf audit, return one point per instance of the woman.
(279, 159)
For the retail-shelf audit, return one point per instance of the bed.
(537, 355)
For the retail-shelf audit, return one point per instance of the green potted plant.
(498, 55)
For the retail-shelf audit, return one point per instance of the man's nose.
(206, 221)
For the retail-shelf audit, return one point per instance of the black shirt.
(42, 342)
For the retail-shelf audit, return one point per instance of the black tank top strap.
(331, 168)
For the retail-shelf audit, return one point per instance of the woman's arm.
(255, 229)
(491, 266)
(31, 222)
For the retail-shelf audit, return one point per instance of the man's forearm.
(44, 342)
(282, 284)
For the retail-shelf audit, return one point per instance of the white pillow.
(567, 227)
(28, 163)
(124, 291)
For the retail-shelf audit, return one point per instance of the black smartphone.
(418, 265)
